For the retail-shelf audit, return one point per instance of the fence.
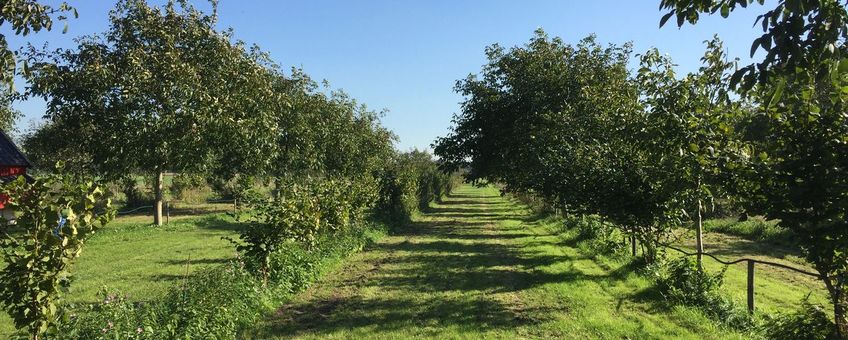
(167, 207)
(750, 262)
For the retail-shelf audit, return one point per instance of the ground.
(481, 266)
(477, 265)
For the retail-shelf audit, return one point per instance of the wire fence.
(751, 264)
(168, 205)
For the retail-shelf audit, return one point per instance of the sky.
(406, 56)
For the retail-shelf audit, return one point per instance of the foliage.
(398, 197)
(301, 213)
(409, 183)
(134, 193)
(797, 172)
(808, 322)
(682, 281)
(185, 182)
(594, 235)
(565, 123)
(25, 17)
(220, 302)
(54, 217)
(326, 134)
(160, 90)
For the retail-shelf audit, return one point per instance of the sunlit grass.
(480, 266)
(142, 261)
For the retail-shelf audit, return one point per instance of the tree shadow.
(451, 270)
(193, 262)
(441, 211)
(218, 222)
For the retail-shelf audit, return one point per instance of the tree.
(55, 216)
(161, 90)
(800, 168)
(689, 131)
(25, 17)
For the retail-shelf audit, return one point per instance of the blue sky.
(405, 56)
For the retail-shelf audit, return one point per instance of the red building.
(13, 163)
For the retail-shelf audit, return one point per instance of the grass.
(143, 261)
(481, 266)
(755, 229)
(476, 266)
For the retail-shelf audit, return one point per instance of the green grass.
(476, 266)
(754, 229)
(481, 266)
(143, 261)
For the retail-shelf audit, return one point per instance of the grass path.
(480, 266)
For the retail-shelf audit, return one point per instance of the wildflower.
(139, 330)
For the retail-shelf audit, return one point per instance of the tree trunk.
(157, 206)
(699, 236)
(840, 304)
(840, 315)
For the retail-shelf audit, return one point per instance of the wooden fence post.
(168, 212)
(751, 286)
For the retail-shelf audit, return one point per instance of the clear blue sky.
(405, 56)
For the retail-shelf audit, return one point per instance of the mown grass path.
(481, 266)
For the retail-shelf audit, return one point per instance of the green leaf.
(665, 18)
(777, 93)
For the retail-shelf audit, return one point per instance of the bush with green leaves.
(681, 281)
(293, 215)
(302, 211)
(409, 183)
(596, 236)
(398, 197)
(134, 193)
(55, 215)
(184, 183)
(810, 322)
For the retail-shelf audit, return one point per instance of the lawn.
(482, 266)
(142, 261)
(476, 266)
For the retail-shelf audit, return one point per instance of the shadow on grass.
(217, 222)
(193, 262)
(452, 270)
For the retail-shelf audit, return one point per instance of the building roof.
(10, 155)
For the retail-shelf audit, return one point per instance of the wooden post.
(699, 236)
(167, 212)
(157, 207)
(235, 205)
(751, 286)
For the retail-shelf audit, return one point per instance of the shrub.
(135, 195)
(294, 215)
(301, 213)
(680, 281)
(595, 236)
(409, 183)
(809, 322)
(55, 216)
(183, 185)
(398, 197)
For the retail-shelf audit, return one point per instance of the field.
(477, 265)
(481, 266)
(143, 261)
